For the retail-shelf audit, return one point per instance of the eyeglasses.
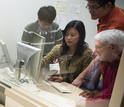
(101, 47)
(93, 8)
(98, 47)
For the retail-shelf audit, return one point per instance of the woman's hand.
(55, 61)
(55, 78)
(89, 94)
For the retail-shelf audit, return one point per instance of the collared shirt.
(42, 31)
(53, 35)
(109, 77)
(114, 20)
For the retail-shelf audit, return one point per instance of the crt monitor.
(30, 55)
(6, 54)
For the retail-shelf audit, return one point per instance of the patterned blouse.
(69, 68)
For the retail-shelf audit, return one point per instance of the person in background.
(73, 54)
(44, 26)
(109, 46)
(109, 17)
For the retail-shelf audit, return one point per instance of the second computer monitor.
(31, 57)
(37, 41)
(5, 54)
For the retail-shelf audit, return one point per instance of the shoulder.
(56, 49)
(55, 25)
(118, 8)
(57, 46)
(117, 15)
(32, 26)
(87, 52)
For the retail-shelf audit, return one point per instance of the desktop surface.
(44, 94)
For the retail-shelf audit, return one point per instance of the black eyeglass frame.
(92, 8)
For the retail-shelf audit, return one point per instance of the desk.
(1, 105)
(45, 96)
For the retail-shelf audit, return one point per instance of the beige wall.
(16, 14)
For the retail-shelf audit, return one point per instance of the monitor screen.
(37, 41)
(30, 55)
(5, 54)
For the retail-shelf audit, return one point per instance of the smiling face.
(97, 11)
(72, 37)
(103, 51)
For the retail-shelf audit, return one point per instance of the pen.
(53, 86)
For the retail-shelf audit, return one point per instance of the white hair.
(108, 37)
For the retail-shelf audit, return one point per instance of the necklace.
(70, 54)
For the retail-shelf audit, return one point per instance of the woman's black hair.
(81, 45)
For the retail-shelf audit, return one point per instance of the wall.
(16, 14)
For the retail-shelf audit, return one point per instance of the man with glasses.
(44, 26)
(109, 17)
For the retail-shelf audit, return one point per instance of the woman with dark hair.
(73, 54)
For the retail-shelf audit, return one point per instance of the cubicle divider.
(117, 99)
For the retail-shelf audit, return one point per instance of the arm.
(78, 74)
(75, 67)
(27, 33)
(48, 59)
(59, 42)
(90, 94)
(80, 79)
(55, 78)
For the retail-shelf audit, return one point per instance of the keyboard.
(59, 87)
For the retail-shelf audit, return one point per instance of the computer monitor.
(5, 54)
(37, 41)
(30, 55)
